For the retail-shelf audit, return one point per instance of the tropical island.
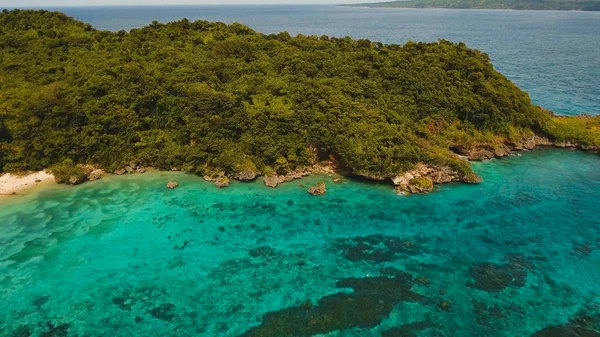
(559, 5)
(226, 102)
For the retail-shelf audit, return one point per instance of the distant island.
(560, 5)
(226, 102)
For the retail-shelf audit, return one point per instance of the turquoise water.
(125, 256)
(551, 55)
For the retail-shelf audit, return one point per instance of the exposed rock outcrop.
(246, 175)
(76, 180)
(245, 170)
(130, 169)
(95, 174)
(220, 179)
(422, 178)
(271, 181)
(481, 152)
(318, 189)
(222, 182)
(79, 175)
(172, 184)
(326, 167)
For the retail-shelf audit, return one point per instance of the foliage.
(422, 183)
(68, 172)
(584, 130)
(563, 5)
(209, 97)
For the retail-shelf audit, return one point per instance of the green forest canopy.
(208, 96)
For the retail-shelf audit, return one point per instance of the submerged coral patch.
(372, 299)
(377, 248)
(21, 331)
(493, 277)
(408, 330)
(263, 251)
(165, 312)
(585, 326)
(61, 330)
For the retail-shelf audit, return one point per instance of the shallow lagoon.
(127, 256)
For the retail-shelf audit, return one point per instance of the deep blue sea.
(517, 255)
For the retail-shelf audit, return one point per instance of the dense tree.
(208, 96)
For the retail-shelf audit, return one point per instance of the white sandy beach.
(10, 184)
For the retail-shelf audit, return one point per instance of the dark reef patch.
(21, 331)
(123, 303)
(408, 330)
(376, 248)
(142, 296)
(582, 250)
(165, 312)
(183, 245)
(493, 277)
(56, 331)
(583, 326)
(263, 251)
(372, 299)
(484, 314)
(38, 302)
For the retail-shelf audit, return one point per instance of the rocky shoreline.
(482, 152)
(420, 180)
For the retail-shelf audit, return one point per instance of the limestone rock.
(271, 181)
(442, 175)
(222, 181)
(96, 174)
(246, 175)
(566, 144)
(120, 172)
(501, 150)
(172, 184)
(481, 154)
(370, 175)
(472, 178)
(318, 189)
(591, 148)
(403, 180)
(299, 173)
(542, 141)
(76, 180)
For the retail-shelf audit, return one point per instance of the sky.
(48, 3)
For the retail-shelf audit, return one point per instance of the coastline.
(11, 184)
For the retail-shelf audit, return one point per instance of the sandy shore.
(12, 184)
